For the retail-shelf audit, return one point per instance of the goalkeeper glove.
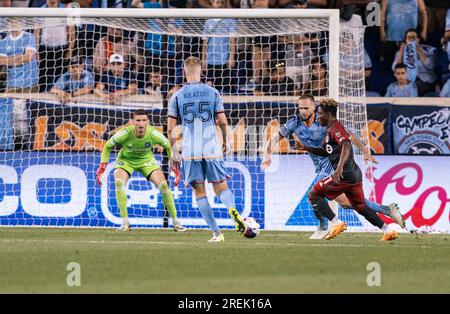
(100, 171)
(175, 172)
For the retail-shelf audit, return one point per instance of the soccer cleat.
(389, 236)
(319, 234)
(335, 230)
(177, 227)
(219, 238)
(124, 228)
(240, 224)
(396, 215)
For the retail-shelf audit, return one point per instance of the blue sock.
(378, 208)
(227, 198)
(206, 210)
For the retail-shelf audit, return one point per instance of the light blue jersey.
(310, 136)
(67, 84)
(25, 75)
(401, 15)
(197, 104)
(395, 90)
(445, 92)
(219, 48)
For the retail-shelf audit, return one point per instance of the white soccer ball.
(252, 227)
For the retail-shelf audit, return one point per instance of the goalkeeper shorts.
(144, 167)
(196, 171)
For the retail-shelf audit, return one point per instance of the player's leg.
(216, 173)
(121, 177)
(322, 229)
(194, 175)
(355, 195)
(157, 178)
(391, 211)
(206, 211)
(327, 188)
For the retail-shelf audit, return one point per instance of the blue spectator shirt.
(25, 75)
(153, 41)
(445, 92)
(113, 83)
(425, 70)
(67, 84)
(401, 15)
(409, 90)
(218, 50)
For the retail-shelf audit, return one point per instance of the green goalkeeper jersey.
(135, 149)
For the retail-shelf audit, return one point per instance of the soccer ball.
(252, 227)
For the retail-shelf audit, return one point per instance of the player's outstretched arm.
(312, 150)
(118, 138)
(362, 148)
(160, 139)
(223, 124)
(106, 152)
(268, 149)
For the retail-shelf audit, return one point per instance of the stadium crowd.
(407, 56)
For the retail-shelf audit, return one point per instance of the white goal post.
(49, 132)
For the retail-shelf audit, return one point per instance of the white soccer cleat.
(219, 238)
(319, 234)
(396, 215)
(124, 228)
(177, 227)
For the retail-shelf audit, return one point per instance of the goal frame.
(331, 14)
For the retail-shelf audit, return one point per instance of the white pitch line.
(197, 243)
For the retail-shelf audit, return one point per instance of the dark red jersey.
(332, 143)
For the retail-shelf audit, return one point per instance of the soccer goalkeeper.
(136, 154)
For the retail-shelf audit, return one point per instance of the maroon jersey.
(336, 135)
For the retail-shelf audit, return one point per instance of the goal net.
(69, 79)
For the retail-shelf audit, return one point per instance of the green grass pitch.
(162, 261)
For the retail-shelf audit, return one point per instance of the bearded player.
(198, 105)
(307, 128)
(347, 176)
(136, 154)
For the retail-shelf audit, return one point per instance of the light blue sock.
(206, 210)
(378, 208)
(227, 198)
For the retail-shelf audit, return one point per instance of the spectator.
(153, 86)
(298, 61)
(419, 59)
(161, 51)
(318, 84)
(218, 54)
(261, 49)
(116, 82)
(401, 87)
(5, 3)
(76, 82)
(445, 92)
(278, 84)
(56, 42)
(18, 54)
(115, 43)
(296, 4)
(446, 38)
(397, 16)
